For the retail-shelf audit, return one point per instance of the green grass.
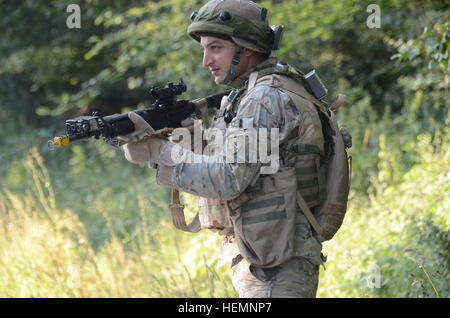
(45, 251)
(394, 242)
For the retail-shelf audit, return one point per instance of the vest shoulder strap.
(290, 72)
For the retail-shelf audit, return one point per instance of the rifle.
(165, 112)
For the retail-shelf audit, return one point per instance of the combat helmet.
(241, 21)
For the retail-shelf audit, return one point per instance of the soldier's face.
(217, 55)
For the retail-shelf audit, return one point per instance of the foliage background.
(83, 222)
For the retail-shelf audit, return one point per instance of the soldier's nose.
(207, 60)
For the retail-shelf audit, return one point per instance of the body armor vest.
(265, 215)
(303, 150)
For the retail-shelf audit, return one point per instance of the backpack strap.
(307, 212)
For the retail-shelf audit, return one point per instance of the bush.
(396, 244)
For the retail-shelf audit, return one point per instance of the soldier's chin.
(220, 79)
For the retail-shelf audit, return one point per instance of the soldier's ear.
(248, 52)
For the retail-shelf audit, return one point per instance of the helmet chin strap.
(227, 78)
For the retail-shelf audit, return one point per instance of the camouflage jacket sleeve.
(227, 174)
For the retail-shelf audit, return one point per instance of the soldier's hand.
(137, 146)
(142, 130)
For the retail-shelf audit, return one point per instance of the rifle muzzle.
(60, 141)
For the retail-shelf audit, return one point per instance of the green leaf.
(431, 45)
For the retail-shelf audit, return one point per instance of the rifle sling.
(178, 217)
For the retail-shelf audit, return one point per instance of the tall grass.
(394, 243)
(45, 252)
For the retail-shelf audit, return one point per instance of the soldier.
(269, 242)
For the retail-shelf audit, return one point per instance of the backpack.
(327, 217)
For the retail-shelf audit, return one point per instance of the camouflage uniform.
(266, 237)
(220, 183)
